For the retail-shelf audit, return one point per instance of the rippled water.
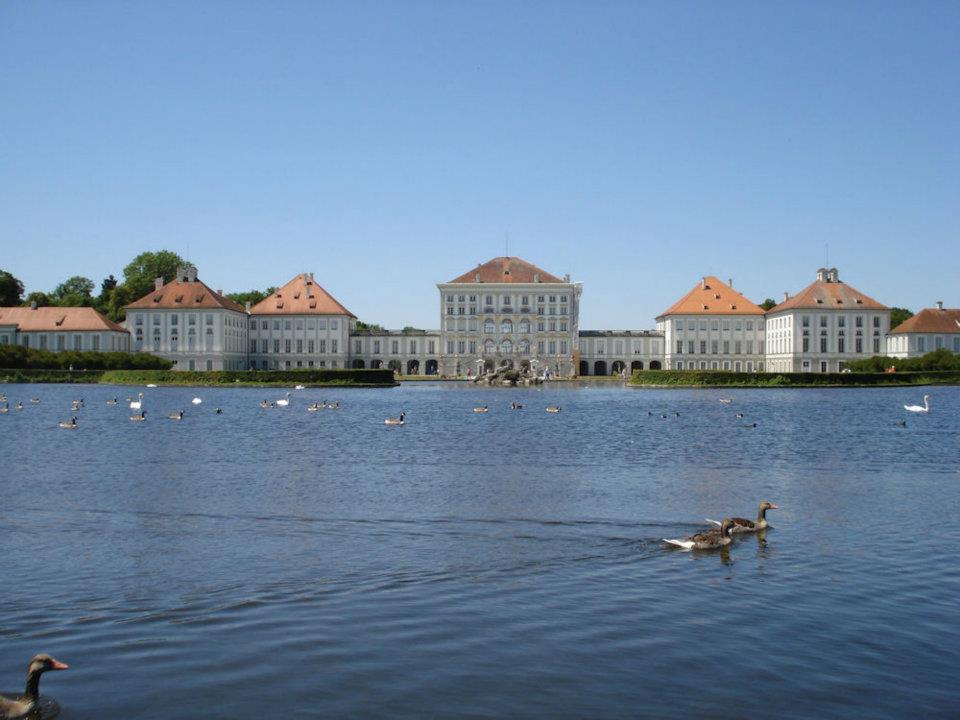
(279, 563)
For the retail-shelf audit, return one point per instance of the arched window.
(488, 347)
(506, 347)
(524, 326)
(451, 325)
(506, 327)
(473, 325)
(461, 325)
(524, 347)
(488, 327)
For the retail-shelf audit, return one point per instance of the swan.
(284, 401)
(298, 387)
(481, 409)
(196, 401)
(726, 401)
(138, 403)
(11, 708)
(553, 409)
(742, 525)
(151, 385)
(925, 408)
(709, 540)
(71, 424)
(394, 421)
(176, 415)
(139, 418)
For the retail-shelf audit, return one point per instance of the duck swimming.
(112, 401)
(481, 409)
(709, 540)
(139, 418)
(553, 409)
(742, 525)
(394, 421)
(12, 708)
(176, 415)
(70, 424)
(516, 406)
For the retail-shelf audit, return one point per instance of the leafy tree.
(139, 275)
(898, 316)
(11, 290)
(40, 298)
(768, 303)
(74, 292)
(113, 306)
(251, 296)
(107, 285)
(368, 327)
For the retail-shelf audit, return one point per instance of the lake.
(266, 563)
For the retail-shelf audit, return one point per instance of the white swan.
(138, 403)
(925, 408)
(284, 401)
(298, 387)
(196, 401)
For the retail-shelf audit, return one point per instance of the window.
(714, 325)
(461, 346)
(841, 344)
(823, 344)
(714, 347)
(263, 348)
(726, 347)
(749, 324)
(321, 324)
(553, 326)
(506, 299)
(449, 347)
(413, 347)
(310, 346)
(540, 298)
(858, 344)
(333, 326)
(77, 342)
(541, 326)
(253, 346)
(333, 346)
(805, 321)
(506, 327)
(921, 343)
(488, 327)
(842, 321)
(376, 347)
(323, 346)
(460, 298)
(286, 346)
(563, 326)
(876, 345)
(690, 347)
(489, 300)
(300, 347)
(703, 325)
(473, 347)
(703, 347)
(876, 321)
(806, 344)
(737, 347)
(449, 298)
(43, 342)
(726, 324)
(679, 347)
(488, 347)
(394, 347)
(823, 321)
(524, 326)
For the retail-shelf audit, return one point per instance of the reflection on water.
(493, 564)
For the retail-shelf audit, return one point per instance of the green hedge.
(325, 376)
(19, 357)
(40, 375)
(939, 360)
(721, 378)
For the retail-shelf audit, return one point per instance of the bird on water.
(12, 708)
(742, 525)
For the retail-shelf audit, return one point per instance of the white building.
(190, 324)
(825, 326)
(409, 352)
(609, 352)
(508, 312)
(61, 328)
(300, 326)
(713, 327)
(928, 330)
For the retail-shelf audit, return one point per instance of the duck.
(196, 401)
(709, 540)
(284, 401)
(516, 406)
(34, 401)
(12, 708)
(18, 406)
(553, 409)
(313, 407)
(333, 405)
(742, 525)
(481, 409)
(395, 421)
(176, 416)
(901, 423)
(112, 401)
(70, 424)
(925, 408)
(5, 408)
(749, 425)
(265, 404)
(138, 403)
(739, 416)
(219, 411)
(139, 418)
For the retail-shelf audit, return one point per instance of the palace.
(505, 311)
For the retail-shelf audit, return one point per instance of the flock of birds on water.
(717, 538)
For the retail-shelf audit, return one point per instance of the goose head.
(39, 665)
(725, 527)
(764, 506)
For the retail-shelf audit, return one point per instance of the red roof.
(829, 292)
(184, 295)
(300, 296)
(931, 320)
(507, 270)
(57, 319)
(712, 296)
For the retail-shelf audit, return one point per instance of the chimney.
(536, 277)
(786, 296)
(247, 307)
(191, 273)
(158, 282)
(703, 283)
(33, 304)
(939, 304)
(730, 282)
(566, 278)
(476, 277)
(834, 275)
(822, 275)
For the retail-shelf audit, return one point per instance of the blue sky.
(388, 146)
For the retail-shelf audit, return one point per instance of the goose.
(139, 418)
(925, 408)
(11, 708)
(726, 401)
(112, 401)
(196, 401)
(742, 525)
(516, 406)
(553, 409)
(264, 404)
(34, 401)
(70, 424)
(709, 540)
(901, 423)
(219, 411)
(176, 415)
(313, 407)
(739, 416)
(749, 425)
(481, 409)
(333, 405)
(138, 403)
(5, 408)
(18, 406)
(395, 421)
(284, 401)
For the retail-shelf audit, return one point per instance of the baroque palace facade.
(505, 311)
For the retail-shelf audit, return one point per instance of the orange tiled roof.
(507, 270)
(712, 296)
(931, 320)
(826, 293)
(184, 295)
(57, 319)
(300, 296)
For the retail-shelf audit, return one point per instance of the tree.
(11, 290)
(898, 316)
(368, 327)
(40, 298)
(251, 296)
(139, 275)
(74, 292)
(768, 303)
(113, 307)
(107, 285)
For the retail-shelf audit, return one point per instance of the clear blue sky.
(388, 146)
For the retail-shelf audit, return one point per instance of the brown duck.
(12, 708)
(709, 540)
(742, 525)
